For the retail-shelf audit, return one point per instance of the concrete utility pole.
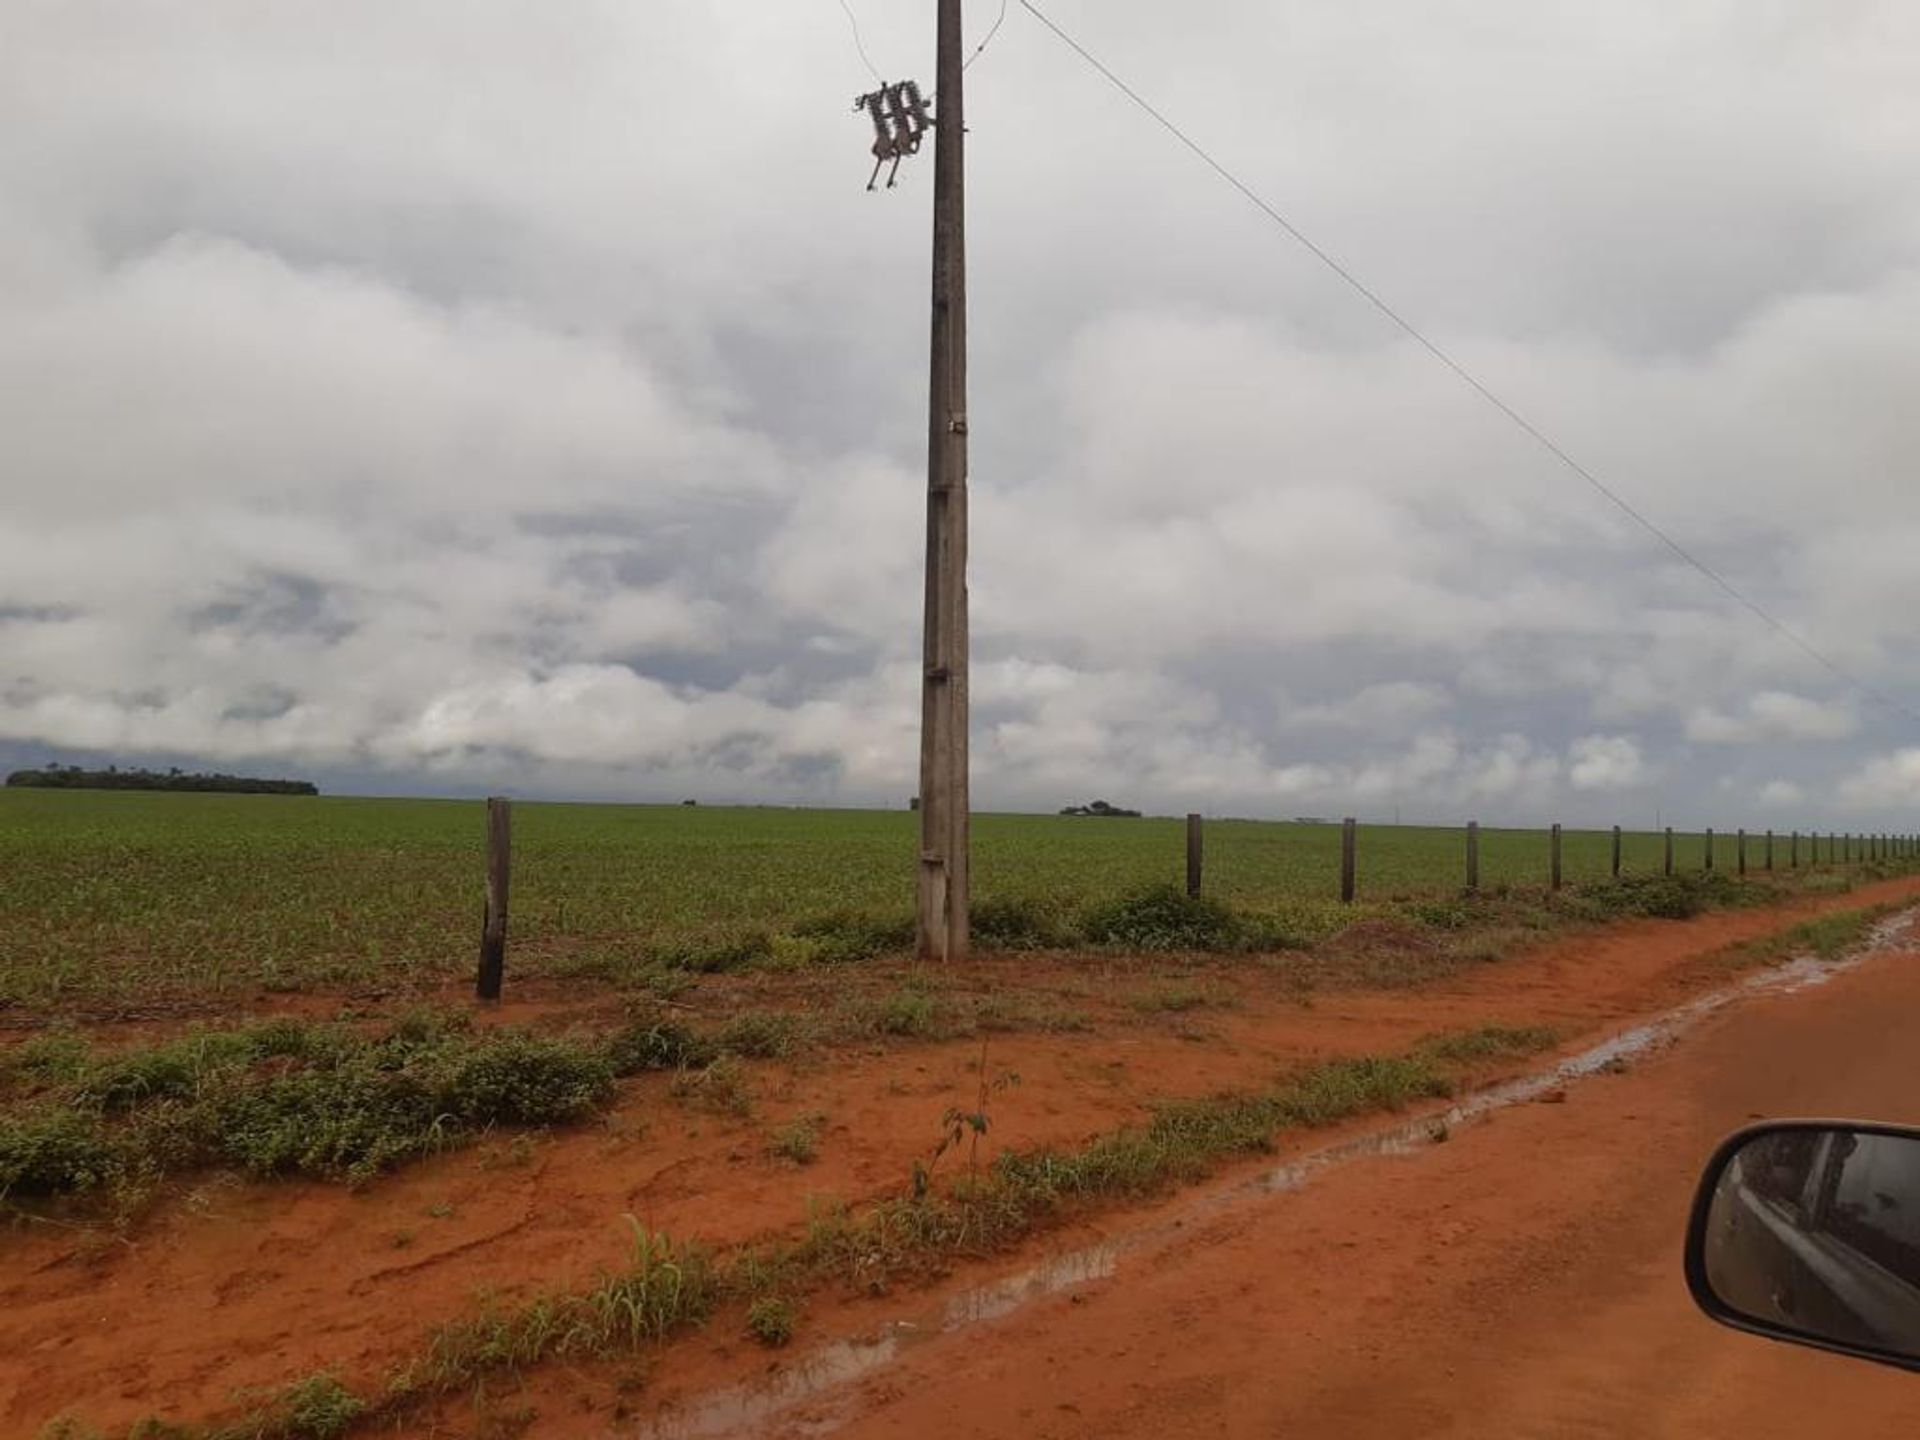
(943, 707)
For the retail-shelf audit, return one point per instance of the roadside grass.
(333, 1101)
(1827, 937)
(1178, 996)
(1488, 1043)
(281, 1098)
(669, 1287)
(328, 1100)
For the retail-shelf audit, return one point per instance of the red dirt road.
(1522, 1279)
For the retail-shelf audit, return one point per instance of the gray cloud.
(442, 405)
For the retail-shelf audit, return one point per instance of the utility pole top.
(900, 119)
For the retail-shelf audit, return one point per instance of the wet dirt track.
(1520, 1279)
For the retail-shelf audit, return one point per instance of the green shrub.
(54, 1150)
(1663, 897)
(351, 1122)
(524, 1080)
(405, 1096)
(1020, 924)
(1165, 917)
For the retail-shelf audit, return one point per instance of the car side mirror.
(1809, 1231)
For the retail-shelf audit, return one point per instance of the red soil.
(238, 1285)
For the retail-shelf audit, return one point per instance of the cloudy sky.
(437, 397)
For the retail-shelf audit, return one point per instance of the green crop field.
(103, 894)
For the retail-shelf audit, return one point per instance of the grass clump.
(1489, 1042)
(1184, 1140)
(715, 956)
(772, 1320)
(761, 1035)
(316, 1408)
(1175, 997)
(657, 1045)
(1826, 938)
(664, 1288)
(720, 1087)
(798, 1140)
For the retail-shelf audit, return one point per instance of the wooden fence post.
(1616, 852)
(1846, 847)
(1709, 857)
(1553, 861)
(1346, 860)
(1473, 856)
(1740, 851)
(1793, 851)
(1667, 863)
(1193, 854)
(493, 930)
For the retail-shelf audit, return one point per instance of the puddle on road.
(745, 1409)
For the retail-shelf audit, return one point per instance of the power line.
(1479, 387)
(980, 49)
(859, 44)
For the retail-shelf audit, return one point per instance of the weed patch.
(720, 1088)
(1165, 917)
(711, 956)
(1826, 938)
(1021, 924)
(287, 1098)
(798, 1140)
(772, 1320)
(1488, 1042)
(843, 936)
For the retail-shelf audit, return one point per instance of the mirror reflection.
(1816, 1233)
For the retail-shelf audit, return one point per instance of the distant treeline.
(72, 777)
(1101, 807)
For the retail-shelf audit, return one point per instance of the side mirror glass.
(1809, 1231)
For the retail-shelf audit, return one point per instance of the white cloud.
(1606, 762)
(1388, 708)
(1773, 715)
(1885, 782)
(1777, 793)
